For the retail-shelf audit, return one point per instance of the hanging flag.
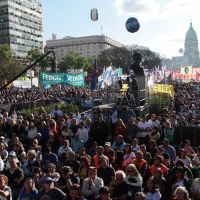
(94, 76)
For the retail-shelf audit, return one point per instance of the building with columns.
(190, 55)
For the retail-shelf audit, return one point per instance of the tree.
(118, 57)
(74, 60)
(35, 54)
(10, 67)
(129, 57)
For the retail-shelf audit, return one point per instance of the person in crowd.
(51, 172)
(120, 128)
(66, 133)
(119, 143)
(49, 191)
(109, 152)
(119, 187)
(92, 184)
(119, 163)
(72, 161)
(75, 193)
(3, 151)
(146, 155)
(154, 134)
(104, 194)
(186, 160)
(100, 130)
(30, 164)
(151, 192)
(105, 172)
(169, 149)
(31, 132)
(139, 196)
(76, 143)
(131, 129)
(67, 179)
(195, 191)
(82, 132)
(188, 149)
(158, 164)
(64, 147)
(160, 182)
(177, 180)
(144, 128)
(56, 112)
(84, 168)
(28, 191)
(14, 174)
(5, 190)
(135, 146)
(181, 193)
(49, 157)
(128, 154)
(169, 132)
(133, 180)
(100, 154)
(140, 163)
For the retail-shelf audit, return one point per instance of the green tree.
(74, 60)
(10, 67)
(35, 54)
(130, 56)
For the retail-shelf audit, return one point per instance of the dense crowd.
(54, 156)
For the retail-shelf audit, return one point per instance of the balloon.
(132, 25)
(94, 14)
(180, 50)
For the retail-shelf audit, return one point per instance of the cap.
(13, 154)
(107, 144)
(1, 137)
(47, 180)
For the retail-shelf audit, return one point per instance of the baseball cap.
(107, 144)
(13, 154)
(47, 180)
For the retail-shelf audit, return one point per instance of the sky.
(163, 23)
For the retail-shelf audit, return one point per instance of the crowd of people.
(54, 156)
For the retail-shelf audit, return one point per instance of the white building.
(86, 46)
(190, 55)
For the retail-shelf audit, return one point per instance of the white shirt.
(143, 125)
(83, 134)
(63, 149)
(153, 196)
(59, 113)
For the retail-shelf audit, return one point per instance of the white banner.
(25, 83)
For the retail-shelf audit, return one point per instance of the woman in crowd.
(28, 192)
(181, 193)
(186, 160)
(133, 180)
(169, 132)
(84, 168)
(120, 128)
(119, 163)
(188, 149)
(151, 192)
(5, 190)
(75, 193)
(128, 154)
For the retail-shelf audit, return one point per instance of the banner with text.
(77, 80)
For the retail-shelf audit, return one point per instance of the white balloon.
(94, 14)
